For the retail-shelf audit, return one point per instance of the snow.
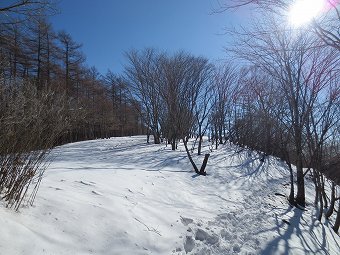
(123, 196)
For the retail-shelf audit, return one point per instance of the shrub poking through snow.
(30, 123)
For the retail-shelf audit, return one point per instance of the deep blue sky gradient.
(108, 28)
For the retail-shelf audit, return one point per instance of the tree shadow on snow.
(294, 238)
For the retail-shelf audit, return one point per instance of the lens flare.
(303, 11)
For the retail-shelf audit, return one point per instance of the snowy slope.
(122, 196)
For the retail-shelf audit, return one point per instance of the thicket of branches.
(30, 125)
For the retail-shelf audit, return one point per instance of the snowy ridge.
(122, 196)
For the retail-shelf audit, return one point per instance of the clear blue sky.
(108, 28)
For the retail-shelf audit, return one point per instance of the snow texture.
(123, 196)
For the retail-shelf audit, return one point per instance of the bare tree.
(185, 78)
(300, 66)
(71, 57)
(225, 83)
(143, 75)
(202, 111)
(169, 89)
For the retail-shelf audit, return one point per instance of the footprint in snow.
(186, 221)
(55, 188)
(87, 183)
(97, 193)
(189, 244)
(204, 236)
(236, 248)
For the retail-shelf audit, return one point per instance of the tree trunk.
(332, 202)
(189, 156)
(337, 221)
(300, 196)
(323, 193)
(156, 138)
(205, 161)
(316, 200)
(199, 148)
(220, 130)
(67, 70)
(216, 138)
(48, 59)
(173, 143)
(320, 195)
(148, 133)
(291, 194)
(39, 81)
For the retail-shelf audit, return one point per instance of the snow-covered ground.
(122, 196)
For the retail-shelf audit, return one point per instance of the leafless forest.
(278, 94)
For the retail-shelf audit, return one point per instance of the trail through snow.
(123, 196)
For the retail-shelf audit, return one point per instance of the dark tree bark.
(332, 202)
(322, 190)
(291, 198)
(337, 221)
(319, 190)
(189, 156)
(204, 164)
(205, 161)
(199, 148)
(156, 138)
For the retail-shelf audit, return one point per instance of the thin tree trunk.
(156, 138)
(199, 148)
(332, 202)
(205, 161)
(291, 194)
(216, 137)
(173, 143)
(337, 221)
(300, 196)
(220, 134)
(200, 136)
(320, 195)
(189, 156)
(322, 190)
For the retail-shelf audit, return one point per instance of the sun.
(302, 12)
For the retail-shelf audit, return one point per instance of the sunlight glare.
(303, 11)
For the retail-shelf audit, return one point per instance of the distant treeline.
(48, 97)
(49, 62)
